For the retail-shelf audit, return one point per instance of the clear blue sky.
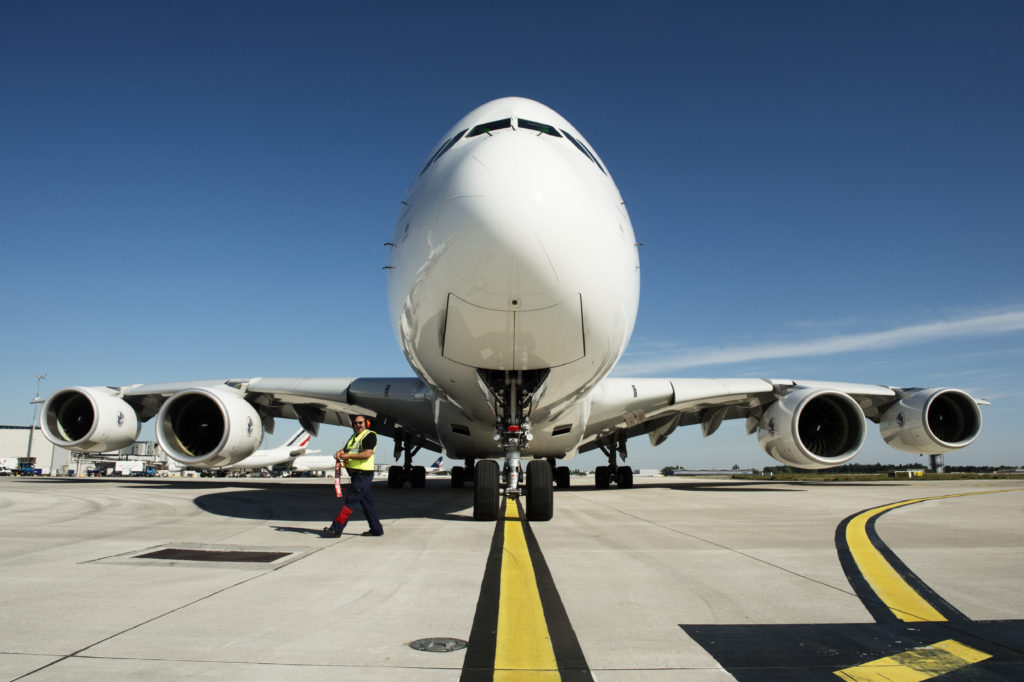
(824, 190)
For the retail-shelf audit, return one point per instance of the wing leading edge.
(809, 424)
(221, 422)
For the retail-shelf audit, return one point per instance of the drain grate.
(206, 556)
(438, 644)
(237, 556)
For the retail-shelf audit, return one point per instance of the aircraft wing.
(390, 403)
(212, 423)
(812, 424)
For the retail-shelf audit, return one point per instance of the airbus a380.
(513, 287)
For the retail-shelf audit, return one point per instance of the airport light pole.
(35, 409)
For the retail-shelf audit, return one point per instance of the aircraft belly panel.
(549, 337)
(478, 337)
(514, 339)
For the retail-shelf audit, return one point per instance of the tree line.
(876, 468)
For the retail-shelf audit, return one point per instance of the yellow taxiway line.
(891, 587)
(523, 649)
(888, 584)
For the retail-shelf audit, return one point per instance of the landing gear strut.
(622, 475)
(398, 475)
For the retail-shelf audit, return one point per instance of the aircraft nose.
(508, 205)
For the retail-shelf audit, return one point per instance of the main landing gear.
(561, 474)
(513, 394)
(398, 475)
(622, 475)
(461, 474)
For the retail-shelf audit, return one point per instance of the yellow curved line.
(887, 583)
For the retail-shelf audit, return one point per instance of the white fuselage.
(263, 458)
(513, 252)
(287, 453)
(313, 463)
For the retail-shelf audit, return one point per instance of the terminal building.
(49, 460)
(16, 452)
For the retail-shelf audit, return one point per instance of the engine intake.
(813, 428)
(89, 419)
(932, 421)
(208, 427)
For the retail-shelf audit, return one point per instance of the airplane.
(311, 462)
(280, 457)
(513, 285)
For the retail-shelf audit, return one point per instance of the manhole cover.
(438, 644)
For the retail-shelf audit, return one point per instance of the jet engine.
(813, 428)
(931, 421)
(89, 419)
(208, 427)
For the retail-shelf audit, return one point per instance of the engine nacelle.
(89, 419)
(813, 428)
(208, 427)
(931, 421)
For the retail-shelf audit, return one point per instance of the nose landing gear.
(513, 394)
(540, 498)
(485, 490)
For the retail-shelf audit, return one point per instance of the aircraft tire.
(562, 477)
(540, 494)
(624, 476)
(602, 477)
(485, 491)
(458, 477)
(394, 477)
(419, 477)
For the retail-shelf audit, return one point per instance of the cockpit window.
(488, 127)
(540, 127)
(586, 152)
(442, 149)
(522, 124)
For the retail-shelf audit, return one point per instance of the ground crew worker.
(357, 456)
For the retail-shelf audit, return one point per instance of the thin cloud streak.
(984, 325)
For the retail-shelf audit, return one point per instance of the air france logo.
(771, 426)
(120, 419)
(248, 427)
(901, 420)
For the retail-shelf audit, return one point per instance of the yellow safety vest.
(354, 446)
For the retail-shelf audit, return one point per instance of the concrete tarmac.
(673, 579)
